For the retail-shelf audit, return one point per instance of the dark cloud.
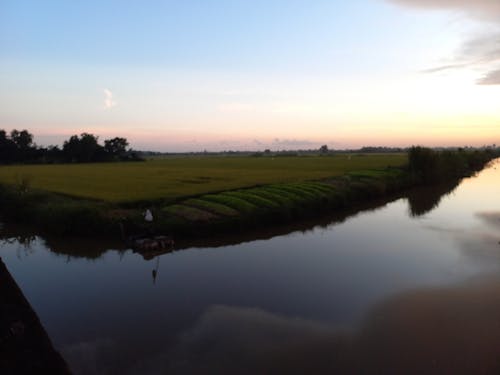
(481, 52)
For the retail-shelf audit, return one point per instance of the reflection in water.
(453, 330)
(23, 242)
(156, 269)
(86, 247)
(481, 244)
(423, 200)
(491, 218)
(23, 239)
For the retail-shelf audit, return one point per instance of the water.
(412, 286)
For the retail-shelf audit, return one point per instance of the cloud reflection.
(452, 330)
(447, 330)
(481, 244)
(492, 218)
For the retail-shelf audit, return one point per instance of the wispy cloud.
(109, 101)
(481, 52)
(442, 68)
(491, 78)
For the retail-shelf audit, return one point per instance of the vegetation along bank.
(210, 195)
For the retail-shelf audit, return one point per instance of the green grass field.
(175, 178)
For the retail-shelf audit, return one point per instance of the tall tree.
(83, 148)
(8, 150)
(23, 139)
(116, 147)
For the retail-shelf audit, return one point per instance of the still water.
(412, 286)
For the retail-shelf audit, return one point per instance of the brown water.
(411, 287)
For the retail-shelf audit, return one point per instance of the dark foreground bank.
(25, 347)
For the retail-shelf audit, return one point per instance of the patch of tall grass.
(431, 166)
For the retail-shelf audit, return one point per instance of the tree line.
(433, 166)
(18, 147)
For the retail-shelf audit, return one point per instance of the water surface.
(410, 287)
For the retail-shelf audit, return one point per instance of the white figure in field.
(148, 216)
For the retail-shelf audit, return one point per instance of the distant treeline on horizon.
(321, 151)
(18, 147)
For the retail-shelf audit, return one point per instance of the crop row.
(277, 202)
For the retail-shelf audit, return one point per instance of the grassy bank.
(277, 203)
(290, 191)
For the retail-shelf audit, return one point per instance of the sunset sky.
(253, 74)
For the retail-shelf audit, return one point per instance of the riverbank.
(235, 210)
(25, 347)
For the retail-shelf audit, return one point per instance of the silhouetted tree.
(23, 139)
(18, 147)
(83, 149)
(323, 149)
(7, 148)
(51, 154)
(116, 147)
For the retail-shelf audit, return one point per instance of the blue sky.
(186, 75)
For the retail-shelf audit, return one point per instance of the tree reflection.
(94, 247)
(26, 238)
(155, 270)
(424, 199)
(23, 240)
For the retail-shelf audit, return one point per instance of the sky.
(192, 75)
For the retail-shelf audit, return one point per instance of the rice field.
(174, 178)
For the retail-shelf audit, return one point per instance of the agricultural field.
(175, 178)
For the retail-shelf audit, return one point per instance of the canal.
(409, 286)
